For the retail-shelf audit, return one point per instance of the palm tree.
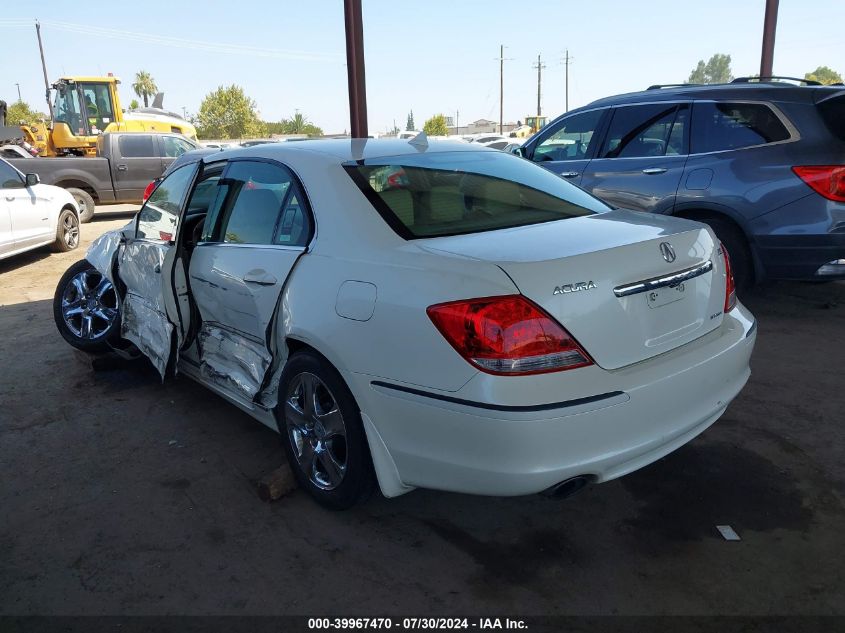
(296, 125)
(144, 86)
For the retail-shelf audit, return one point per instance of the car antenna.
(420, 140)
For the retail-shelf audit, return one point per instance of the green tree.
(144, 86)
(825, 75)
(436, 126)
(717, 70)
(229, 113)
(409, 126)
(20, 112)
(133, 105)
(299, 124)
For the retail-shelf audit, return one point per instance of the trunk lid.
(596, 275)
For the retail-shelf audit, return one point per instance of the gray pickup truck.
(126, 163)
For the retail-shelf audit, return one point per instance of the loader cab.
(87, 107)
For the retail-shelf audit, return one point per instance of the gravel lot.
(102, 513)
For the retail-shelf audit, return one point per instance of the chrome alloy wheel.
(316, 431)
(89, 304)
(70, 230)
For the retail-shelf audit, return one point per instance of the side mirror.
(519, 151)
(32, 180)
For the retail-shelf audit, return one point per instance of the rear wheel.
(86, 308)
(322, 433)
(67, 232)
(742, 265)
(85, 203)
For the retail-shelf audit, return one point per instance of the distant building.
(478, 127)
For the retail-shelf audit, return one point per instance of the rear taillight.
(507, 335)
(828, 180)
(149, 190)
(730, 285)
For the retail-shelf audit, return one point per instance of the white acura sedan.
(441, 316)
(33, 215)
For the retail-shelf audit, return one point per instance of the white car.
(33, 214)
(449, 317)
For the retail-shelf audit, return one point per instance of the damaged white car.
(441, 316)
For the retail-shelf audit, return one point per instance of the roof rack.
(767, 79)
(659, 86)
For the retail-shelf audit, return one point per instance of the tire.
(329, 456)
(85, 202)
(742, 265)
(86, 309)
(67, 232)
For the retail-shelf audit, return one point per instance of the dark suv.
(763, 163)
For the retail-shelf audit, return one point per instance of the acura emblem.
(667, 251)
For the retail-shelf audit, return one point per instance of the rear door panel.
(642, 158)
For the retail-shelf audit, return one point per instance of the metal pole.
(769, 27)
(567, 80)
(539, 81)
(501, 87)
(19, 93)
(355, 68)
(44, 69)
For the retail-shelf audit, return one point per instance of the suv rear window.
(833, 113)
(455, 193)
(723, 126)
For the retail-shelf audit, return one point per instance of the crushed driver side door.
(146, 267)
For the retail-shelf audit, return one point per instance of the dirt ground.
(121, 495)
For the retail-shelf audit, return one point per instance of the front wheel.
(67, 232)
(86, 308)
(322, 433)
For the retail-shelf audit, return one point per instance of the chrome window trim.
(663, 281)
(278, 247)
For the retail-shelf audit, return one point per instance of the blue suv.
(761, 162)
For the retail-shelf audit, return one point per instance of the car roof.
(340, 151)
(753, 91)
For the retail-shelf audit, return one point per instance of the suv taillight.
(149, 190)
(827, 180)
(730, 285)
(507, 335)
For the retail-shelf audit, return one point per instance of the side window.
(259, 206)
(136, 146)
(159, 217)
(571, 139)
(723, 126)
(9, 177)
(643, 130)
(174, 147)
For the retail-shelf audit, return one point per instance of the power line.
(177, 42)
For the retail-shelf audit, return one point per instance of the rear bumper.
(802, 256)
(633, 416)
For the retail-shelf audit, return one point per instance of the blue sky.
(427, 55)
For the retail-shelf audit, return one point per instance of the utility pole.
(501, 86)
(19, 93)
(457, 126)
(770, 23)
(44, 69)
(566, 63)
(539, 66)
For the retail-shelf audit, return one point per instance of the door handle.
(570, 174)
(651, 171)
(121, 168)
(10, 198)
(259, 276)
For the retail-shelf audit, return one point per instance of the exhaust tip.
(568, 487)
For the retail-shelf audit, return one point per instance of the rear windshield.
(454, 193)
(833, 113)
